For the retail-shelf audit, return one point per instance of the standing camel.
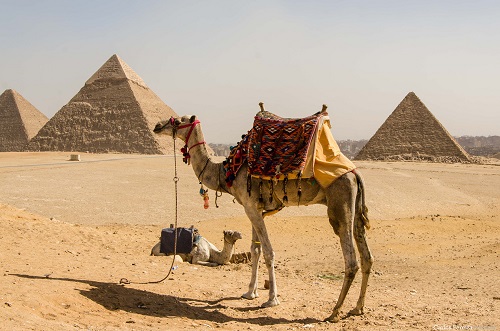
(344, 198)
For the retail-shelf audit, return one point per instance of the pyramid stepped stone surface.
(411, 132)
(114, 112)
(19, 121)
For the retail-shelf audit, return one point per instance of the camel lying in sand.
(205, 253)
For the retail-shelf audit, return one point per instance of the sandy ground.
(69, 231)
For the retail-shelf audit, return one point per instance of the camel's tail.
(364, 209)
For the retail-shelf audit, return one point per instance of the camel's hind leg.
(366, 261)
(341, 200)
(255, 250)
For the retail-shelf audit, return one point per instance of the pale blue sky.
(219, 59)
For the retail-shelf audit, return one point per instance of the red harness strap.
(185, 150)
(191, 125)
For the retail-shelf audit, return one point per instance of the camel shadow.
(114, 296)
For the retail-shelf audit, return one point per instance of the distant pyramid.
(411, 132)
(19, 121)
(115, 111)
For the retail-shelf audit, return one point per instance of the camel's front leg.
(259, 228)
(255, 250)
(207, 264)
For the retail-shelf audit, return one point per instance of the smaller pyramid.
(114, 112)
(19, 121)
(411, 132)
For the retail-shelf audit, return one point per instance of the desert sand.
(69, 231)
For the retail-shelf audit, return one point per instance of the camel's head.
(175, 126)
(231, 236)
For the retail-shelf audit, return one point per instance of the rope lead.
(176, 180)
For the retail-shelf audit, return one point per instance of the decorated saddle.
(280, 148)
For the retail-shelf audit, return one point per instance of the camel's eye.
(177, 122)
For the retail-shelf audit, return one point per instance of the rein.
(176, 181)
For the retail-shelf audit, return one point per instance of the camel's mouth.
(159, 127)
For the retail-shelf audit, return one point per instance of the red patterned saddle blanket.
(274, 147)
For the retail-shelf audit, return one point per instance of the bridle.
(185, 150)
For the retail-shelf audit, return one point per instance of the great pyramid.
(411, 132)
(19, 121)
(114, 112)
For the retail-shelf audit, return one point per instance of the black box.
(185, 238)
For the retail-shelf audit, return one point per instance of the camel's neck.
(208, 172)
(222, 257)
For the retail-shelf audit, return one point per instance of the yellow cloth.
(329, 162)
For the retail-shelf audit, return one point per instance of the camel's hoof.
(355, 312)
(334, 318)
(271, 303)
(250, 295)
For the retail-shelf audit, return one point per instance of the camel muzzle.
(159, 128)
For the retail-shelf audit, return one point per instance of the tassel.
(271, 190)
(186, 157)
(204, 195)
(285, 196)
(261, 199)
(299, 187)
(205, 201)
(249, 184)
(230, 177)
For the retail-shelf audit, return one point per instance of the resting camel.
(344, 199)
(205, 253)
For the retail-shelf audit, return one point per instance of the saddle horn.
(324, 108)
(261, 105)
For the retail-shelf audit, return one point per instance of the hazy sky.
(219, 59)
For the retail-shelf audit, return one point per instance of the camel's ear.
(192, 119)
